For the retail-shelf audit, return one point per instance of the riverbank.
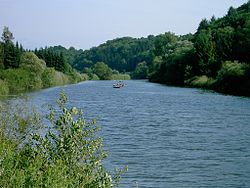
(232, 79)
(33, 74)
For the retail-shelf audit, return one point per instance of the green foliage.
(69, 54)
(22, 71)
(206, 52)
(10, 52)
(230, 35)
(164, 44)
(18, 80)
(225, 39)
(68, 155)
(33, 74)
(204, 24)
(94, 77)
(10, 56)
(175, 64)
(35, 66)
(234, 78)
(122, 54)
(47, 77)
(154, 69)
(53, 59)
(102, 71)
(141, 71)
(30, 61)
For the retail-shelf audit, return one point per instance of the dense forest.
(217, 56)
(122, 55)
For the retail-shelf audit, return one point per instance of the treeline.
(122, 55)
(53, 59)
(217, 56)
(22, 70)
(97, 70)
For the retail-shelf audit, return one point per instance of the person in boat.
(119, 84)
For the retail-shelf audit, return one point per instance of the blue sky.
(87, 23)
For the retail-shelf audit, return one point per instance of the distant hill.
(122, 54)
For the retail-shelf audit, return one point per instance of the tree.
(241, 48)
(234, 78)
(11, 52)
(7, 36)
(204, 24)
(102, 71)
(212, 20)
(163, 44)
(206, 52)
(232, 17)
(141, 71)
(10, 56)
(224, 38)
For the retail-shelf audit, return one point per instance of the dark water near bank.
(168, 136)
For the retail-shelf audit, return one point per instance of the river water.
(168, 136)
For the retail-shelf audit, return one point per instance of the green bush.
(18, 80)
(75, 76)
(93, 76)
(47, 77)
(29, 61)
(69, 154)
(103, 71)
(234, 78)
(141, 71)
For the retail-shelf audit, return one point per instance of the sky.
(87, 23)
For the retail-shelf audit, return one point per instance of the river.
(168, 136)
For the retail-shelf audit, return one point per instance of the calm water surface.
(168, 136)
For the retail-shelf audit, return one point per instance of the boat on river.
(119, 84)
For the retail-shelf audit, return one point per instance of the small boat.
(119, 84)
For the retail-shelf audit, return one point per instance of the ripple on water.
(168, 136)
